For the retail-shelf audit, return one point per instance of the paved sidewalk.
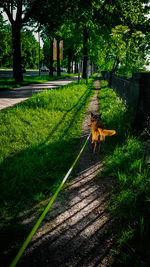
(11, 97)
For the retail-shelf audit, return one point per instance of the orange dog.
(98, 132)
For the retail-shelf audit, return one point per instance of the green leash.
(29, 237)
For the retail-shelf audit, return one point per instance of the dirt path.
(77, 230)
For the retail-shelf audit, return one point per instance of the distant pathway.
(11, 97)
(77, 231)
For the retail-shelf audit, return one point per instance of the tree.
(91, 15)
(72, 39)
(119, 35)
(51, 16)
(29, 49)
(127, 45)
(5, 44)
(23, 9)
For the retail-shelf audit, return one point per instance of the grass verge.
(38, 142)
(9, 83)
(126, 161)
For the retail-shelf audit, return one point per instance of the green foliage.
(124, 41)
(127, 163)
(5, 44)
(30, 50)
(73, 41)
(129, 47)
(126, 235)
(118, 32)
(124, 48)
(115, 115)
(46, 52)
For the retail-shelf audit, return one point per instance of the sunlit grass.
(9, 83)
(125, 160)
(38, 138)
(39, 141)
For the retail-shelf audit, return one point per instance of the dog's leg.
(91, 147)
(94, 146)
(99, 146)
(102, 146)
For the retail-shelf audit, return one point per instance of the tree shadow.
(76, 232)
(32, 176)
(13, 234)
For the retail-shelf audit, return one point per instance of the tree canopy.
(112, 34)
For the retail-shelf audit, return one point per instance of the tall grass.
(39, 139)
(126, 161)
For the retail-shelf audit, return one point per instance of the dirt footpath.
(77, 231)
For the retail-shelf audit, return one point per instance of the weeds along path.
(77, 231)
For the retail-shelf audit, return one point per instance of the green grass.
(9, 83)
(38, 139)
(126, 161)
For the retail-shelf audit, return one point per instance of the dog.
(99, 132)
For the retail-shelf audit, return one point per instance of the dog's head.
(95, 117)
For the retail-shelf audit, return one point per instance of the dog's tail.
(109, 132)
(104, 133)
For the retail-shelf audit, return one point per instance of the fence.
(135, 92)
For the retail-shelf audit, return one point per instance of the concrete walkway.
(11, 97)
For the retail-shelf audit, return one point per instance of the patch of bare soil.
(77, 231)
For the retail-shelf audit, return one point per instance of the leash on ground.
(34, 229)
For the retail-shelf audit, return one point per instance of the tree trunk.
(75, 69)
(58, 58)
(69, 60)
(116, 64)
(16, 42)
(92, 69)
(51, 58)
(85, 53)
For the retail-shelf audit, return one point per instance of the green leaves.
(30, 50)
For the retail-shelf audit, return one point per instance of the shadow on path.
(77, 231)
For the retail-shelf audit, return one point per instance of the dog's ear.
(92, 114)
